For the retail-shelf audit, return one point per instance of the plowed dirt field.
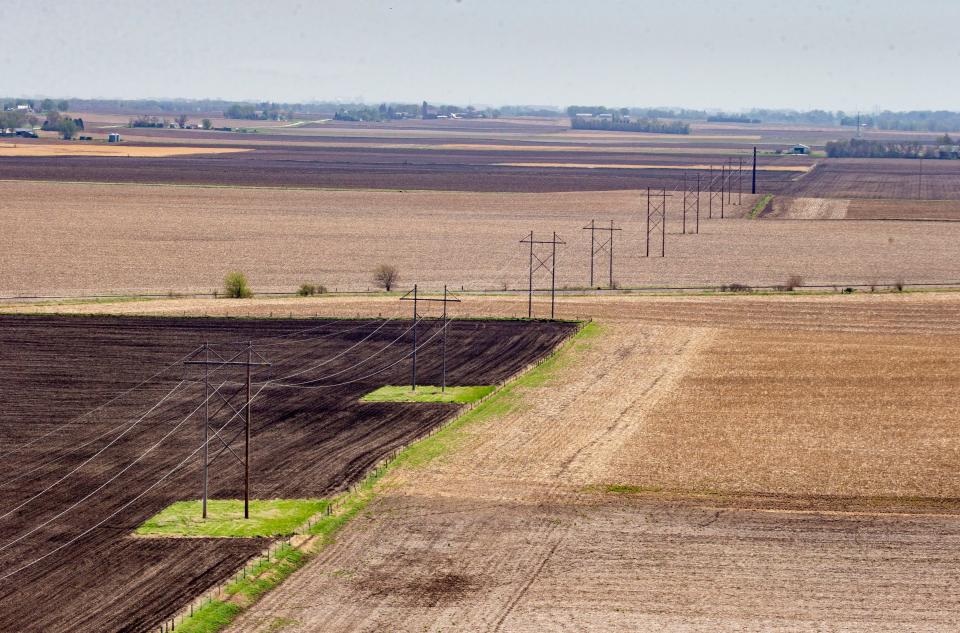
(67, 559)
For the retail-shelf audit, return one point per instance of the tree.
(235, 286)
(182, 121)
(207, 124)
(241, 111)
(47, 104)
(386, 276)
(63, 106)
(52, 123)
(67, 128)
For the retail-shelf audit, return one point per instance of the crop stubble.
(801, 527)
(69, 239)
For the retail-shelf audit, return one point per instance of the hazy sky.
(766, 53)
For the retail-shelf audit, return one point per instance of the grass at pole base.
(428, 393)
(268, 518)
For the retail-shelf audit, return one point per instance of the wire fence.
(567, 290)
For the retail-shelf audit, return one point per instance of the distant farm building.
(800, 148)
(113, 137)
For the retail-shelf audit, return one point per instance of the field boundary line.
(830, 287)
(218, 607)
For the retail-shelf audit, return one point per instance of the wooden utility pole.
(234, 361)
(414, 297)
(596, 249)
(549, 262)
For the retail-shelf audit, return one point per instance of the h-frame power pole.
(740, 182)
(716, 190)
(550, 263)
(596, 248)
(414, 297)
(691, 202)
(657, 218)
(227, 402)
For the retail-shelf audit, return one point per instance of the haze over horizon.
(730, 56)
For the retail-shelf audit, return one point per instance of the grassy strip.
(212, 617)
(760, 206)
(265, 575)
(428, 393)
(268, 518)
(500, 403)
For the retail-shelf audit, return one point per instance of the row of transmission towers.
(723, 187)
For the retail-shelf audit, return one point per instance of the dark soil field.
(306, 443)
(880, 178)
(391, 168)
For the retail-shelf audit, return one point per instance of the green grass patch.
(623, 489)
(428, 393)
(760, 206)
(211, 617)
(268, 518)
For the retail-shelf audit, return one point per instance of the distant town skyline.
(849, 55)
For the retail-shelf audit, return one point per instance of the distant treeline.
(265, 111)
(914, 120)
(630, 125)
(391, 111)
(724, 118)
(863, 148)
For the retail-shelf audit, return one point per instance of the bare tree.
(386, 276)
(182, 121)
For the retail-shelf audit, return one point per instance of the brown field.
(704, 462)
(293, 161)
(784, 207)
(766, 480)
(694, 167)
(80, 504)
(8, 149)
(437, 155)
(880, 178)
(519, 155)
(87, 239)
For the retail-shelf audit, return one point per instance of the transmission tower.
(729, 182)
(740, 182)
(691, 202)
(606, 245)
(717, 181)
(657, 219)
(413, 297)
(548, 262)
(253, 359)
